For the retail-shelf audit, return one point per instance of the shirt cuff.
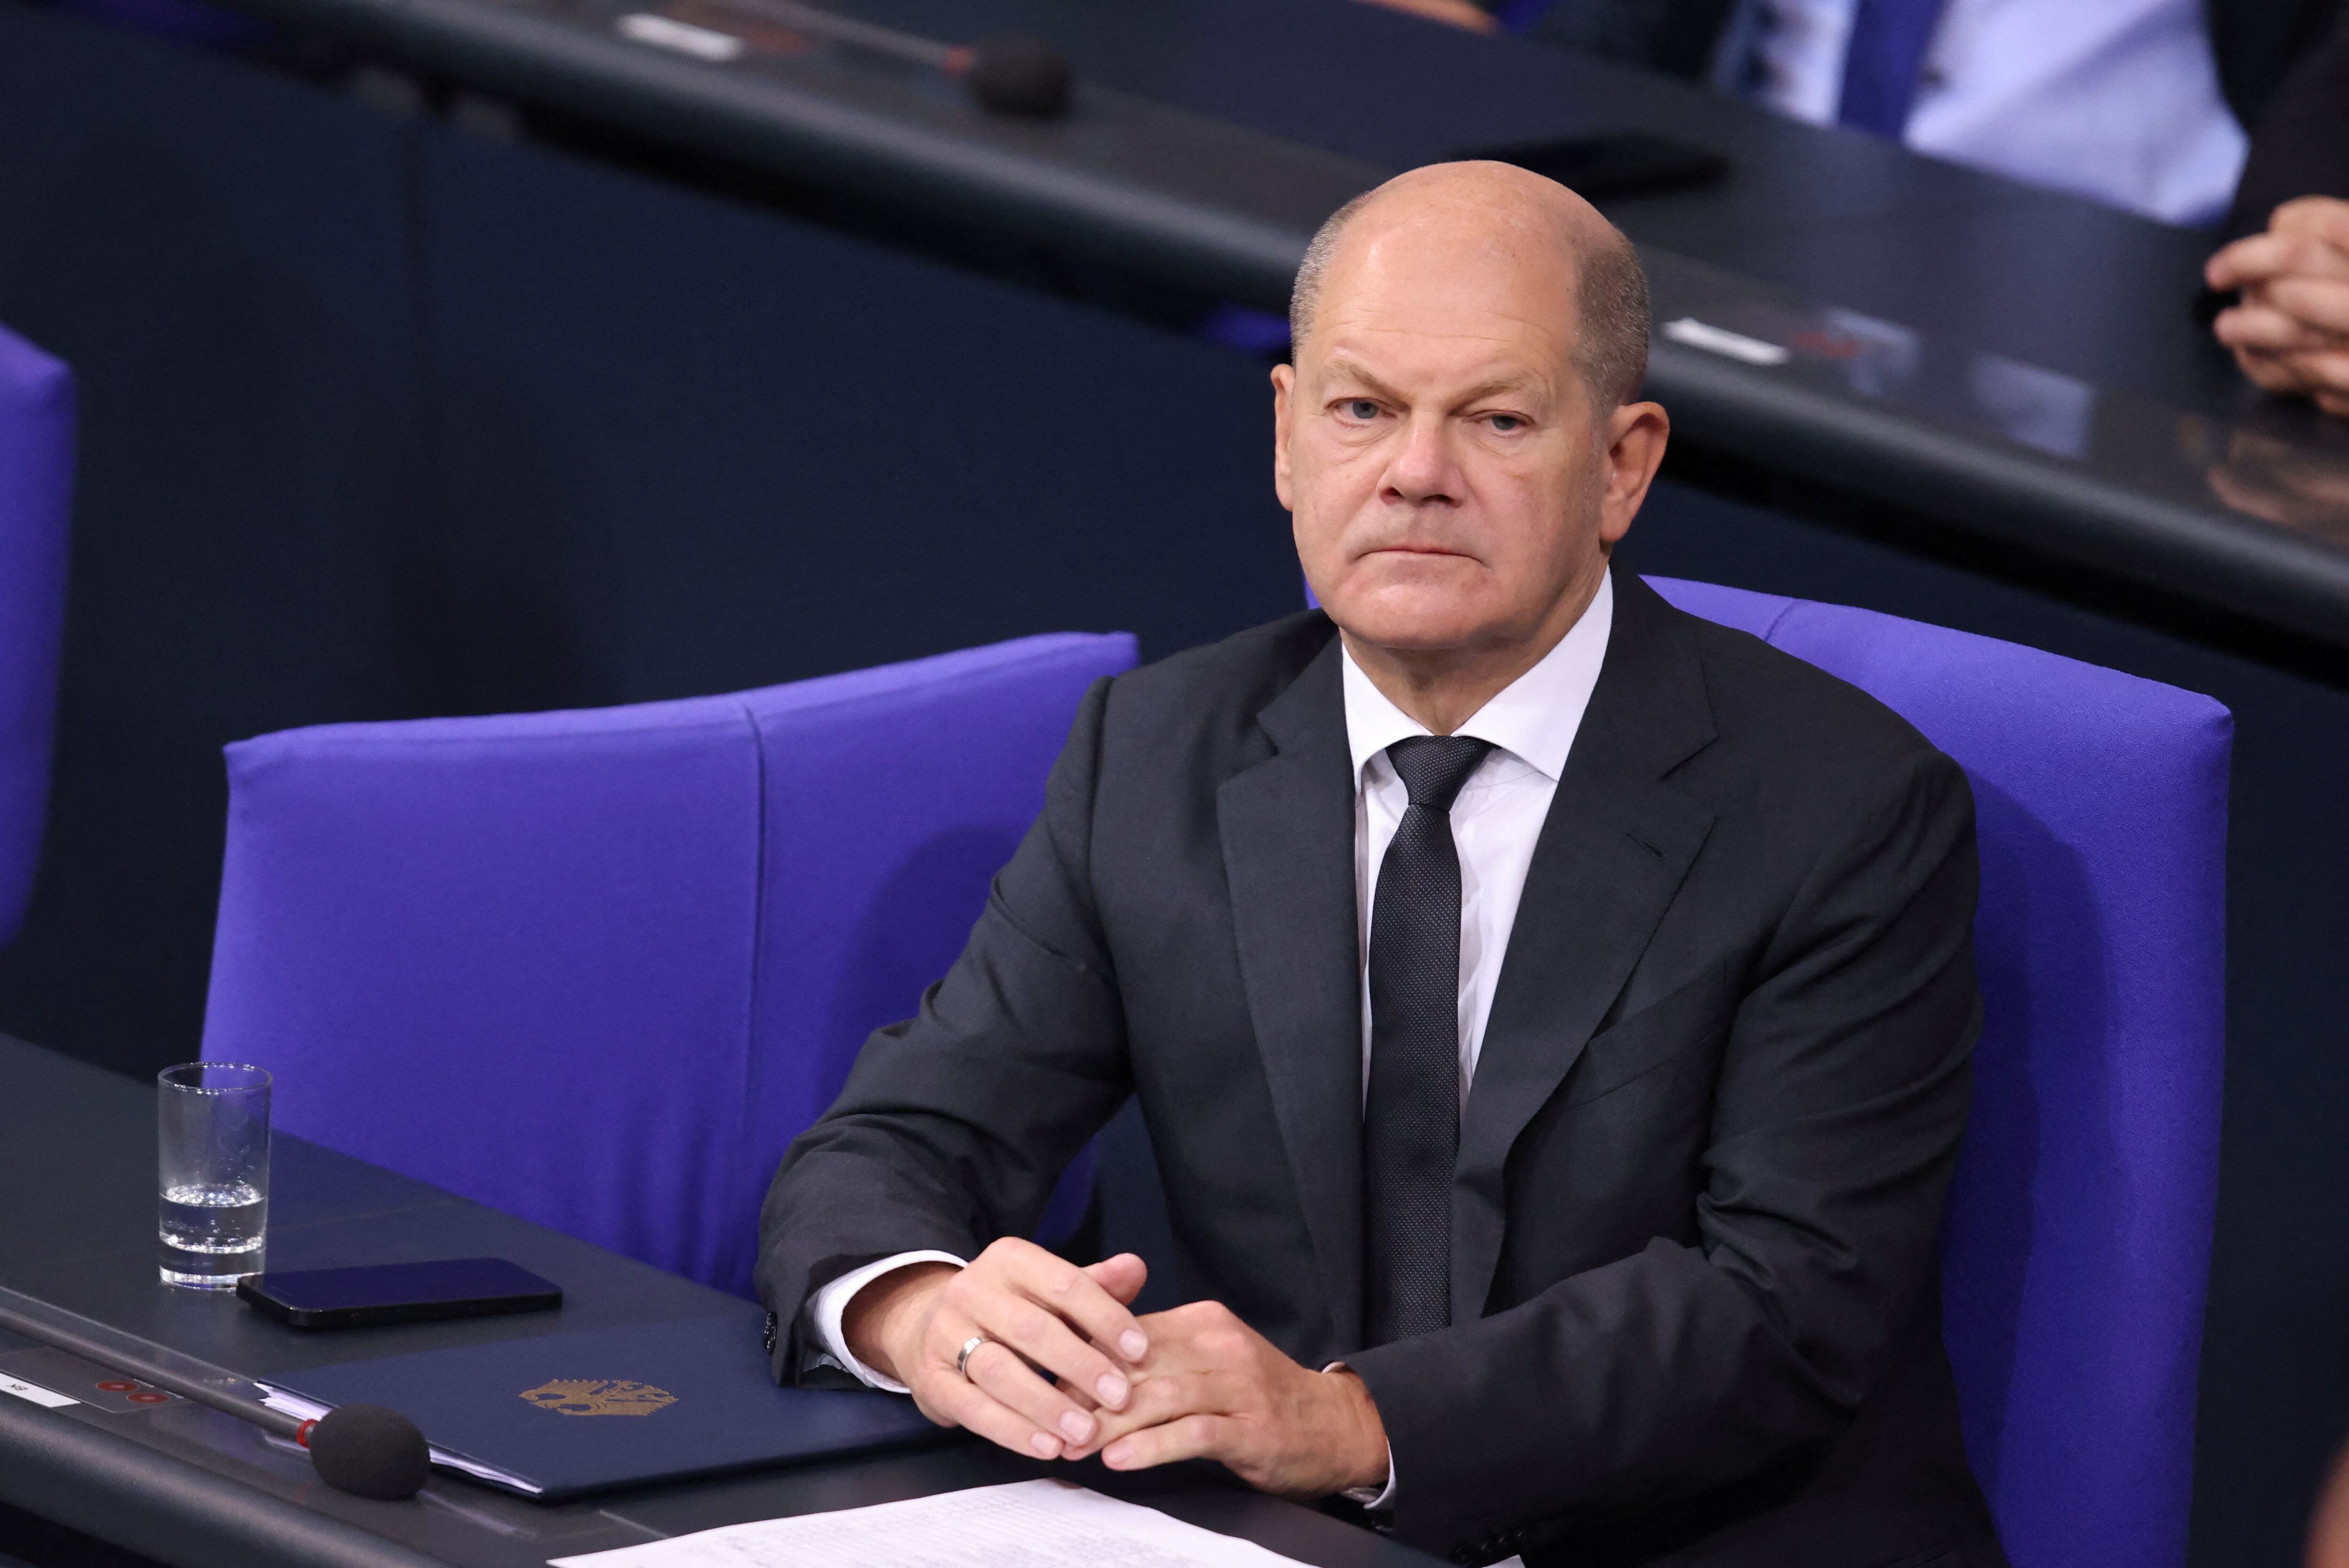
(826, 1307)
(1372, 1497)
(1375, 1498)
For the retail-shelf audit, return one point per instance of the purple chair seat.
(2077, 1243)
(598, 968)
(37, 454)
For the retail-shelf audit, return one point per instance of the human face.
(1439, 451)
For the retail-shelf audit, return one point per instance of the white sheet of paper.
(1027, 1524)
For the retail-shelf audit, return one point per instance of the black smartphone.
(1626, 163)
(398, 1293)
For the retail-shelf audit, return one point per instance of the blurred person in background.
(2120, 100)
(2141, 104)
(2287, 268)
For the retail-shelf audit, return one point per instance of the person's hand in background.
(2328, 1533)
(2291, 331)
(1458, 13)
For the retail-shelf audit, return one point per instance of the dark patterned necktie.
(1411, 1119)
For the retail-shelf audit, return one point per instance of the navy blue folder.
(572, 1413)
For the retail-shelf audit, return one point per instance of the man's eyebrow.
(1514, 381)
(1341, 364)
(1510, 381)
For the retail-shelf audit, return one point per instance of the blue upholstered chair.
(598, 968)
(37, 442)
(2077, 1243)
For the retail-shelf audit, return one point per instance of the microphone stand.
(191, 1380)
(367, 1451)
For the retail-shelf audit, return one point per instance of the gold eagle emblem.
(599, 1396)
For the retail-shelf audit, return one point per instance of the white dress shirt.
(2114, 99)
(1497, 814)
(1496, 821)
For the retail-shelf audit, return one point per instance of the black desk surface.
(187, 1485)
(2012, 363)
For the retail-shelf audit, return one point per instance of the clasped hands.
(2291, 333)
(1192, 1383)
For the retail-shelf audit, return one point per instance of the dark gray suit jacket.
(1694, 1297)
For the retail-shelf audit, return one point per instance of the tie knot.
(1433, 768)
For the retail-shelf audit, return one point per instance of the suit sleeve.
(955, 1125)
(2300, 142)
(1841, 1098)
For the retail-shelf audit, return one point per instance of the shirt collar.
(1534, 717)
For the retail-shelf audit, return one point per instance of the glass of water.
(212, 1172)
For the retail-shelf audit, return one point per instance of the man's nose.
(1423, 469)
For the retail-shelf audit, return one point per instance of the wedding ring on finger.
(962, 1361)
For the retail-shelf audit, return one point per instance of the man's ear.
(1284, 384)
(1635, 435)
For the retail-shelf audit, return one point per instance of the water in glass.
(211, 1235)
(212, 1161)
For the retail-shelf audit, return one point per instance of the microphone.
(365, 1450)
(1024, 76)
(368, 1451)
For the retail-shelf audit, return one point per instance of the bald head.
(1471, 216)
(1458, 437)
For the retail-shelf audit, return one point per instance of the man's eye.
(1360, 409)
(1506, 423)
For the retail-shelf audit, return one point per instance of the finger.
(1122, 1276)
(937, 1414)
(2265, 257)
(2310, 254)
(1017, 1293)
(1076, 1295)
(2325, 374)
(1192, 1437)
(2324, 218)
(1157, 1399)
(1045, 1340)
(973, 1409)
(2226, 267)
(2264, 328)
(1007, 1380)
(2251, 260)
(2267, 372)
(2321, 304)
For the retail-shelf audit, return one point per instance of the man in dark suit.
(1552, 1012)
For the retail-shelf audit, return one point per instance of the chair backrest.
(598, 968)
(37, 453)
(2076, 1246)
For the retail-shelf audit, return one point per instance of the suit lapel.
(1288, 830)
(1611, 855)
